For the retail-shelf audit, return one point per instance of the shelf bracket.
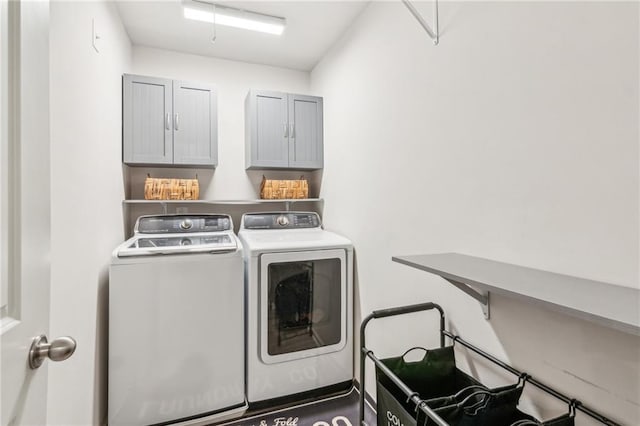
(434, 35)
(483, 297)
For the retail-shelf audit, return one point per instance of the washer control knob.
(186, 224)
(282, 220)
(186, 242)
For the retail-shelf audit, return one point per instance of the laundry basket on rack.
(433, 391)
(435, 375)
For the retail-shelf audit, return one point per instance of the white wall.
(233, 81)
(89, 181)
(86, 194)
(515, 139)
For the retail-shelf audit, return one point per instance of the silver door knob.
(58, 350)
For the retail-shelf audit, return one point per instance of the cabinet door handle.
(177, 122)
(292, 130)
(286, 132)
(167, 121)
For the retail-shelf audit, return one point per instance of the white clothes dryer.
(176, 323)
(299, 292)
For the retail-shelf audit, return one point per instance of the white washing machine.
(176, 323)
(299, 295)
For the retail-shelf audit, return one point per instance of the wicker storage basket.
(272, 189)
(171, 189)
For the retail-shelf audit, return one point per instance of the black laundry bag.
(497, 407)
(435, 375)
(436, 378)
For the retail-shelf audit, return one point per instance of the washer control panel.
(183, 224)
(281, 220)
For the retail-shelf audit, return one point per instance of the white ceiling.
(312, 28)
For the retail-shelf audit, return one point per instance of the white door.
(24, 207)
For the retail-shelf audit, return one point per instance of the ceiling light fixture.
(233, 17)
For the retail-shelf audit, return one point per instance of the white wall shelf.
(289, 201)
(606, 304)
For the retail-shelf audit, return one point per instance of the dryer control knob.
(186, 224)
(282, 220)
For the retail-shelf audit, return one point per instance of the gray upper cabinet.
(167, 122)
(267, 141)
(195, 124)
(305, 132)
(147, 108)
(283, 131)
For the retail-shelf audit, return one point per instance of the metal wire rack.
(415, 398)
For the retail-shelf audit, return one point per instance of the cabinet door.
(195, 124)
(147, 127)
(305, 132)
(268, 143)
